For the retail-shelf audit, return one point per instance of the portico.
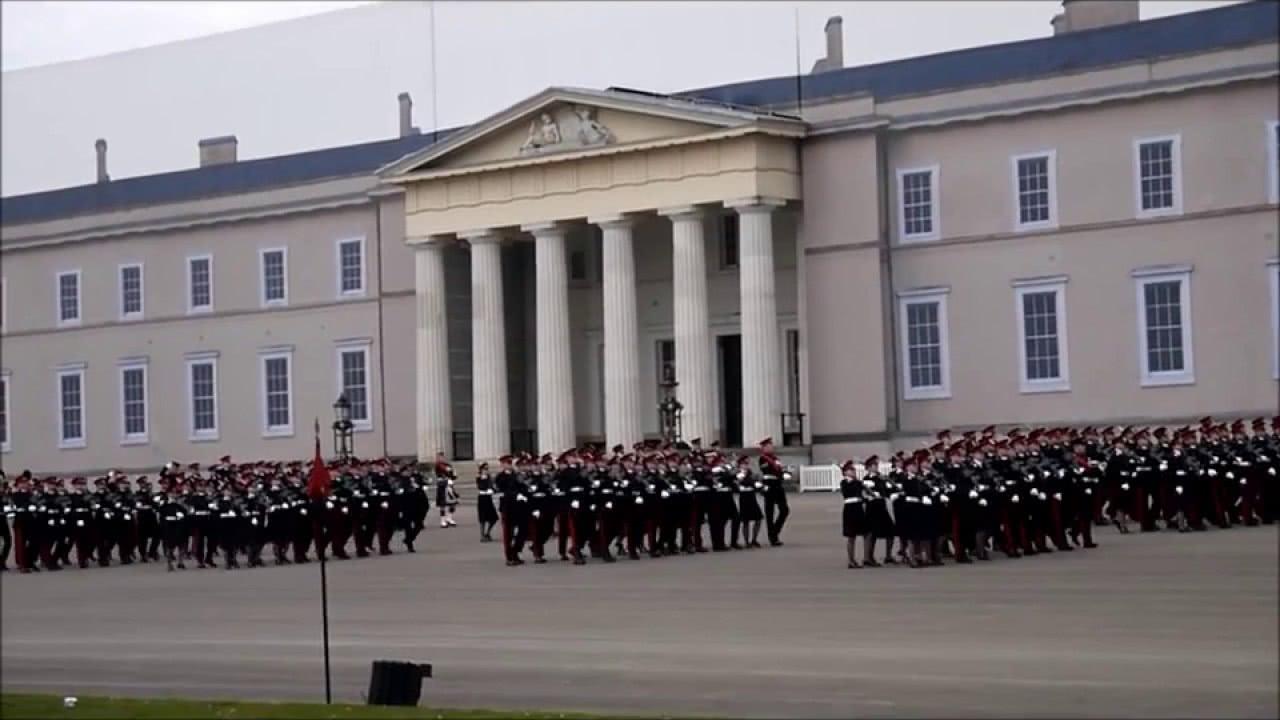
(607, 177)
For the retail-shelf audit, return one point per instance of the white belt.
(486, 492)
(852, 500)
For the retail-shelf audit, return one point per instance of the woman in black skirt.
(750, 487)
(853, 518)
(879, 523)
(486, 513)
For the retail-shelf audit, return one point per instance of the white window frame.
(65, 443)
(135, 438)
(142, 293)
(364, 346)
(270, 431)
(1273, 270)
(194, 309)
(6, 378)
(1052, 169)
(1273, 161)
(364, 273)
(935, 214)
(1176, 156)
(208, 435)
(262, 276)
(914, 297)
(1147, 276)
(57, 298)
(1058, 286)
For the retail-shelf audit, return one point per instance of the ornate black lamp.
(669, 408)
(342, 427)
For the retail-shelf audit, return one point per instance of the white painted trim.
(1186, 376)
(935, 392)
(269, 431)
(364, 272)
(142, 291)
(262, 276)
(1042, 280)
(210, 435)
(1058, 287)
(1176, 157)
(6, 444)
(194, 309)
(1052, 169)
(65, 443)
(1157, 270)
(57, 298)
(1273, 160)
(365, 347)
(1274, 267)
(924, 291)
(136, 438)
(935, 214)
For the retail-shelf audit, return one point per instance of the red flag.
(318, 483)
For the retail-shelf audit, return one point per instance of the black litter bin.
(397, 683)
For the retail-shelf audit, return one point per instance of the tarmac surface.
(1146, 625)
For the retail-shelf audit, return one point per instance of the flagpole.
(318, 506)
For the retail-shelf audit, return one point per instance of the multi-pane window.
(71, 408)
(130, 291)
(199, 283)
(133, 402)
(1164, 319)
(277, 403)
(918, 203)
(351, 267)
(793, 371)
(729, 234)
(202, 379)
(664, 364)
(4, 413)
(1158, 175)
(1042, 334)
(353, 371)
(1033, 175)
(68, 297)
(924, 345)
(275, 283)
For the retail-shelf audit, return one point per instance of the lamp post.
(342, 427)
(669, 408)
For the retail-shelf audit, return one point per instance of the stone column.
(555, 369)
(621, 334)
(692, 323)
(435, 409)
(761, 379)
(492, 431)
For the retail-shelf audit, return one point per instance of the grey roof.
(1234, 25)
(231, 178)
(1231, 26)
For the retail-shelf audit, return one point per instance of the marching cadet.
(80, 521)
(280, 520)
(415, 504)
(172, 517)
(879, 523)
(446, 496)
(541, 511)
(776, 508)
(853, 516)
(486, 513)
(147, 521)
(6, 520)
(1083, 481)
(511, 505)
(750, 491)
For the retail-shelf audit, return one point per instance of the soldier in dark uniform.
(6, 522)
(876, 492)
(147, 520)
(541, 508)
(486, 512)
(776, 508)
(1119, 482)
(853, 519)
(228, 523)
(172, 517)
(415, 503)
(80, 521)
(512, 503)
(750, 490)
(446, 496)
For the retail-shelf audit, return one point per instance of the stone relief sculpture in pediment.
(580, 126)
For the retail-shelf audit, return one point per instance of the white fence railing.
(826, 478)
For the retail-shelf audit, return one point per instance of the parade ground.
(1150, 625)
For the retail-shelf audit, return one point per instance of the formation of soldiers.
(658, 500)
(225, 512)
(1024, 494)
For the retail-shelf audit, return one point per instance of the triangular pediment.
(562, 121)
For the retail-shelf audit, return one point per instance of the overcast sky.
(77, 71)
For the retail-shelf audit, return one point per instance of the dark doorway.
(730, 351)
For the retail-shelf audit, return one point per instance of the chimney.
(1088, 14)
(406, 116)
(835, 46)
(218, 150)
(101, 147)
